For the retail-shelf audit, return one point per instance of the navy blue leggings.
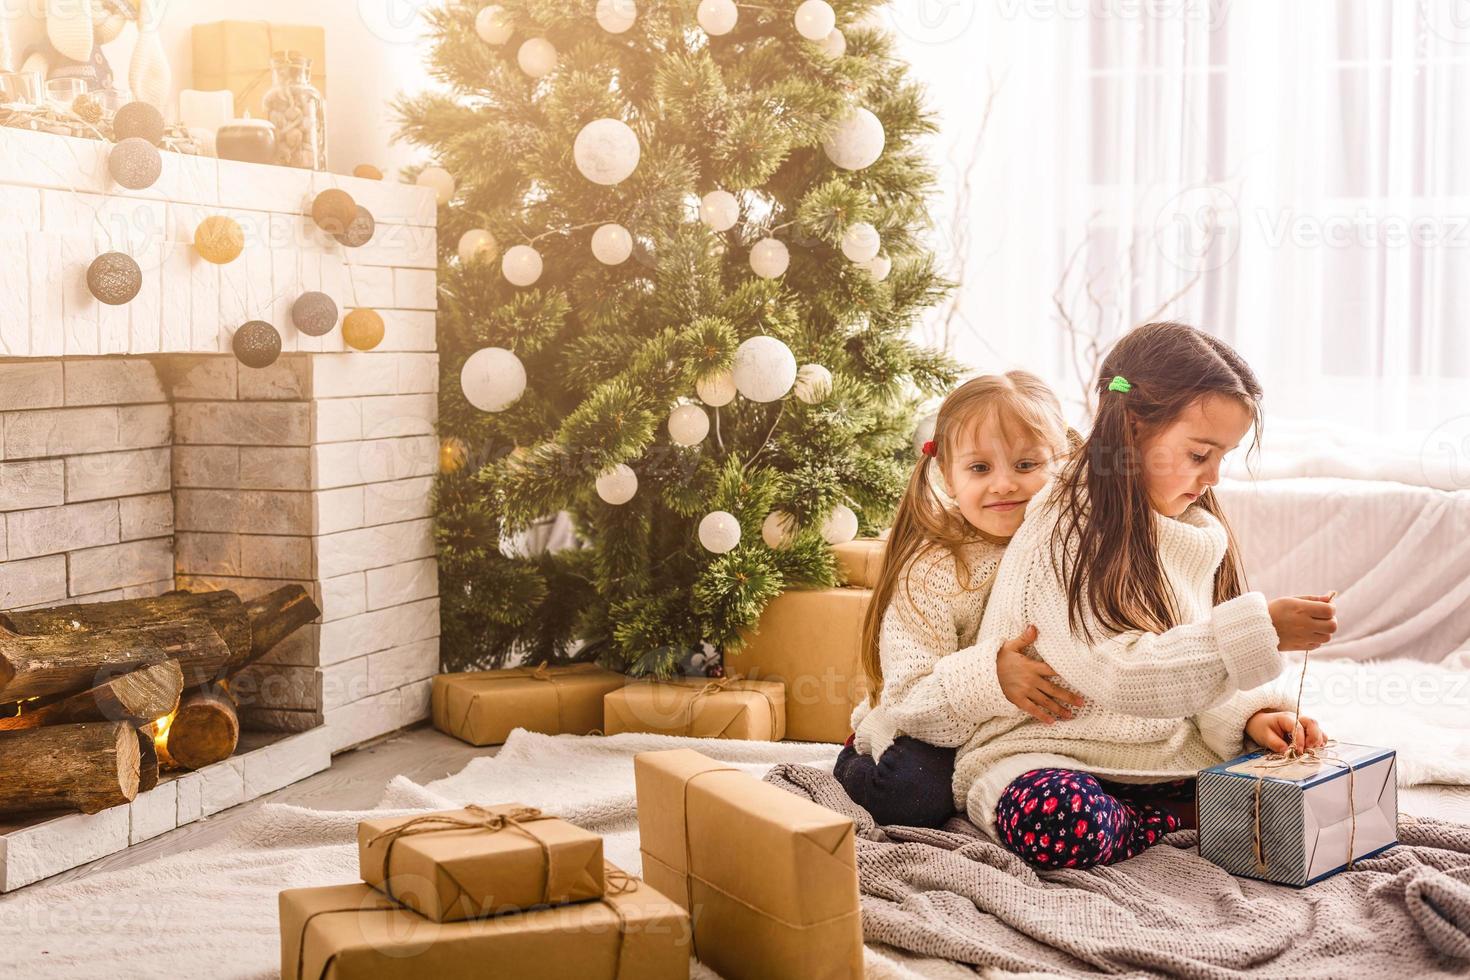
(1060, 818)
(912, 785)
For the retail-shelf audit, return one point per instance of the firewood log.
(204, 730)
(147, 761)
(62, 663)
(275, 616)
(223, 610)
(89, 767)
(141, 695)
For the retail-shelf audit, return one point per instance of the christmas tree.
(680, 257)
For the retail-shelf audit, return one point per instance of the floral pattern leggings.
(1060, 818)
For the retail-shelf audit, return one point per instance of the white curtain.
(1292, 176)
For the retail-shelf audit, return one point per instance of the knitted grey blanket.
(955, 894)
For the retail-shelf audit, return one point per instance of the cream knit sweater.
(1157, 706)
(930, 616)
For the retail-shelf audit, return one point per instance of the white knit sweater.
(930, 617)
(1158, 706)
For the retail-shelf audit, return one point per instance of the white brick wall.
(167, 464)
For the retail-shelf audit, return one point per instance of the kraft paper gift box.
(771, 878)
(724, 708)
(481, 707)
(236, 55)
(355, 932)
(1315, 816)
(466, 864)
(860, 561)
(810, 640)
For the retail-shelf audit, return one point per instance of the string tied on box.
(479, 817)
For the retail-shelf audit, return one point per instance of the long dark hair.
(1105, 536)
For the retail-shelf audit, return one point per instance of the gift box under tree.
(724, 708)
(1297, 820)
(482, 707)
(811, 641)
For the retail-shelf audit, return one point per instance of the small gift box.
(1297, 819)
(723, 708)
(481, 707)
(784, 902)
(355, 932)
(482, 860)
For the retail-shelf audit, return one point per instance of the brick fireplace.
(138, 456)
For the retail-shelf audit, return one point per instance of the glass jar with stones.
(298, 111)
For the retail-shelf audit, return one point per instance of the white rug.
(211, 912)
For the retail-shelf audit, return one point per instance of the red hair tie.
(929, 448)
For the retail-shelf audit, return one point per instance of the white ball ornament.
(617, 485)
(765, 369)
(537, 57)
(521, 265)
(857, 142)
(815, 19)
(878, 267)
(813, 383)
(841, 525)
(477, 244)
(439, 180)
(720, 210)
(688, 425)
(719, 531)
(616, 16)
(606, 151)
(769, 258)
(860, 242)
(778, 530)
(612, 244)
(834, 45)
(493, 379)
(493, 25)
(717, 16)
(717, 389)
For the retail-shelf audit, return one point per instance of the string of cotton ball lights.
(493, 379)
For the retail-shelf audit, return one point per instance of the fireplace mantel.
(137, 455)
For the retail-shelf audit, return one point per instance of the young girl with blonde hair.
(997, 439)
(1127, 569)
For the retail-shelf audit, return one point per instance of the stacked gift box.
(500, 891)
(810, 640)
(509, 891)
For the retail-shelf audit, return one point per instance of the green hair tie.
(1120, 383)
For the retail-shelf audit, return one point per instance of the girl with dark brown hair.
(1130, 575)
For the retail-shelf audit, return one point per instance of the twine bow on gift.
(482, 818)
(718, 686)
(541, 673)
(1295, 755)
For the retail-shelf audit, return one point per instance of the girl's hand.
(1024, 681)
(1275, 729)
(1303, 622)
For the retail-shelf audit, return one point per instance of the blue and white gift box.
(1313, 817)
